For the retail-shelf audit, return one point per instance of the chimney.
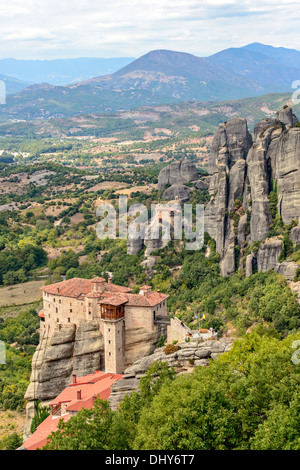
(145, 290)
(109, 280)
(78, 394)
(74, 378)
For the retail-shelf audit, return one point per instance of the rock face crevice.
(244, 169)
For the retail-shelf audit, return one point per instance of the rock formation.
(244, 171)
(55, 360)
(177, 173)
(177, 192)
(185, 359)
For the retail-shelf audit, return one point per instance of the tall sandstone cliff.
(244, 169)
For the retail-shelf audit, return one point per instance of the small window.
(57, 320)
(59, 301)
(69, 320)
(109, 354)
(108, 341)
(56, 309)
(71, 310)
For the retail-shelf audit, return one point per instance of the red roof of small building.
(92, 385)
(149, 300)
(41, 314)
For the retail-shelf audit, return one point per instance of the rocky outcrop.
(134, 245)
(227, 167)
(140, 342)
(295, 235)
(185, 359)
(287, 269)
(177, 173)
(67, 352)
(287, 116)
(287, 174)
(200, 184)
(268, 254)
(177, 192)
(244, 171)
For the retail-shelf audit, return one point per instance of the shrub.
(170, 349)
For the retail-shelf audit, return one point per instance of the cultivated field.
(21, 294)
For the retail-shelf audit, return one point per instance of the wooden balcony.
(111, 312)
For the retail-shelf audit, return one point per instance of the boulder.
(177, 173)
(287, 269)
(287, 116)
(177, 191)
(201, 185)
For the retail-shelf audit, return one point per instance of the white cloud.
(56, 28)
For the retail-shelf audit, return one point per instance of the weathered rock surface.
(177, 173)
(287, 269)
(177, 191)
(201, 185)
(287, 174)
(295, 235)
(243, 174)
(185, 359)
(287, 116)
(268, 254)
(56, 359)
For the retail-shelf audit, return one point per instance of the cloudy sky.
(47, 29)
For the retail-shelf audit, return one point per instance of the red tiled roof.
(70, 288)
(97, 384)
(41, 314)
(149, 300)
(39, 438)
(77, 287)
(114, 300)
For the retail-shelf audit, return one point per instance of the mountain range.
(61, 71)
(160, 77)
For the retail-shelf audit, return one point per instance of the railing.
(56, 410)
